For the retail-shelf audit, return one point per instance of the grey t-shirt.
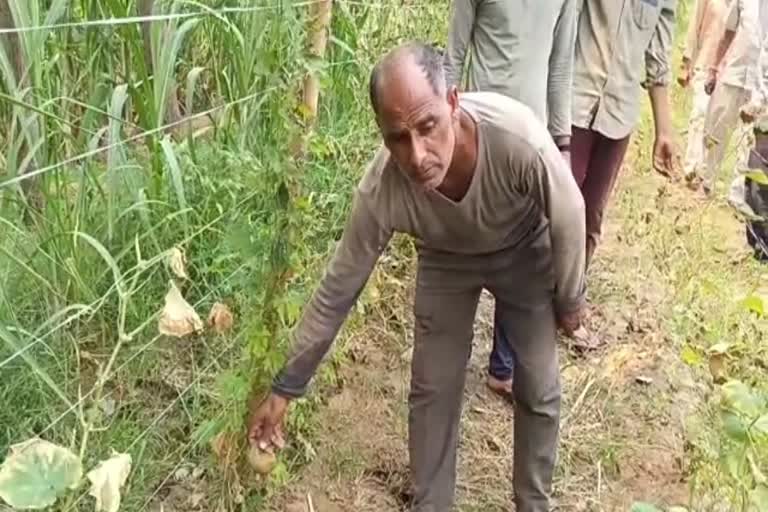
(520, 179)
(520, 48)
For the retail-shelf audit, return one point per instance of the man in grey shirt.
(522, 49)
(478, 182)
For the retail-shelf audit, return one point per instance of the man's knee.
(539, 394)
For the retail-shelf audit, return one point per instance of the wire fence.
(219, 13)
(69, 419)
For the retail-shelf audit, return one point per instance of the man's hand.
(711, 82)
(751, 111)
(566, 156)
(665, 155)
(570, 322)
(747, 117)
(265, 424)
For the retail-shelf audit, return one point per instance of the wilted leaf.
(717, 368)
(178, 317)
(690, 356)
(719, 348)
(226, 448)
(178, 263)
(107, 479)
(220, 318)
(36, 473)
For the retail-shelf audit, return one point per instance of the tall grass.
(140, 137)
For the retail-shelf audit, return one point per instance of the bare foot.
(503, 388)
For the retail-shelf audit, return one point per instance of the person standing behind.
(734, 83)
(522, 49)
(704, 32)
(620, 45)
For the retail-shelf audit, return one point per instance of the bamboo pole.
(318, 29)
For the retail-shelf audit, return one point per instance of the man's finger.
(263, 439)
(277, 440)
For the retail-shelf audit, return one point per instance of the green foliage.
(122, 181)
(37, 473)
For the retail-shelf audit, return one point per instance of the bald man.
(477, 180)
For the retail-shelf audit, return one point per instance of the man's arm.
(561, 75)
(658, 73)
(554, 189)
(360, 246)
(731, 24)
(693, 36)
(459, 36)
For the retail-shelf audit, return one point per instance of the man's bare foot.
(503, 388)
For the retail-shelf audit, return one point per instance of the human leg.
(444, 309)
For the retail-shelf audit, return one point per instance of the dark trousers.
(448, 287)
(595, 163)
(756, 196)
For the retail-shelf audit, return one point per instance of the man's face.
(418, 127)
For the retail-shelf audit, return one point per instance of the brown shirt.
(520, 180)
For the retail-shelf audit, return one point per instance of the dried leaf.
(220, 318)
(107, 479)
(178, 263)
(178, 317)
(717, 367)
(226, 448)
(36, 473)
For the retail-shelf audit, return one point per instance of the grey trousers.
(447, 293)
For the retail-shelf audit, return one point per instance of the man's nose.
(418, 152)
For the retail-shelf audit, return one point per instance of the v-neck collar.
(475, 174)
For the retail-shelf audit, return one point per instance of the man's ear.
(452, 95)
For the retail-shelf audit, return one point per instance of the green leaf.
(738, 396)
(733, 463)
(755, 304)
(690, 356)
(37, 473)
(640, 506)
(759, 498)
(733, 425)
(758, 177)
(175, 171)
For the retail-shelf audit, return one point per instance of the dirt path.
(622, 435)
